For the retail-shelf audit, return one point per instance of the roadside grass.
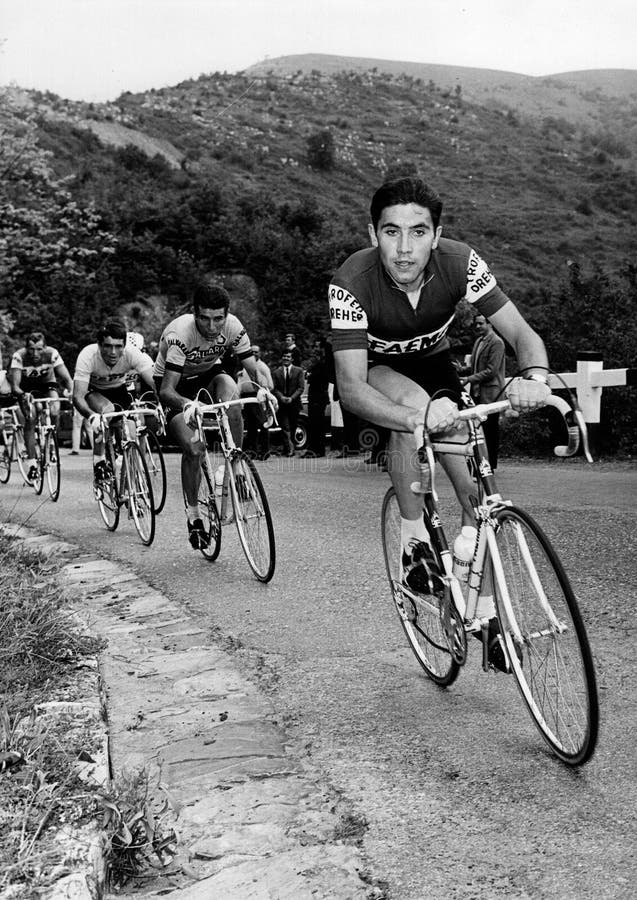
(42, 645)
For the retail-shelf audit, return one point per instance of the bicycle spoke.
(422, 622)
(140, 495)
(252, 516)
(51, 461)
(545, 638)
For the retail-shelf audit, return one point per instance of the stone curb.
(253, 823)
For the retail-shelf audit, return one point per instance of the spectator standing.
(485, 377)
(290, 347)
(257, 437)
(289, 383)
(317, 400)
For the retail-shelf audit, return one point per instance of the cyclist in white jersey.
(190, 355)
(99, 384)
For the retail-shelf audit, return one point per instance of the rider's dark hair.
(114, 328)
(210, 296)
(406, 190)
(34, 337)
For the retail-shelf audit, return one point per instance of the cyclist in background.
(189, 359)
(391, 306)
(99, 383)
(36, 371)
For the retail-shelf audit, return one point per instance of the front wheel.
(140, 493)
(419, 614)
(253, 518)
(51, 463)
(545, 639)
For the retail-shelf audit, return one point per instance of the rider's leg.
(190, 460)
(224, 387)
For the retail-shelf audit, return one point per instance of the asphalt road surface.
(460, 795)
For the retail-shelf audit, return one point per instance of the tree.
(51, 247)
(321, 150)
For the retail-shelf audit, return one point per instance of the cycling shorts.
(39, 389)
(189, 386)
(119, 396)
(436, 374)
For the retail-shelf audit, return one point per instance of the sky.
(96, 49)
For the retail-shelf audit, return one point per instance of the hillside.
(532, 194)
(589, 98)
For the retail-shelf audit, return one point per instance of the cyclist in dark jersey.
(36, 370)
(390, 308)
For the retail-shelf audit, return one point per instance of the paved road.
(460, 797)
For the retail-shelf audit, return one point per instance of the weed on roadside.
(42, 791)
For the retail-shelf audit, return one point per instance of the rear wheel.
(140, 494)
(419, 614)
(156, 465)
(209, 515)
(252, 516)
(107, 493)
(51, 462)
(5, 461)
(545, 638)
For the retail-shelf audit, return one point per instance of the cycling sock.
(192, 512)
(413, 530)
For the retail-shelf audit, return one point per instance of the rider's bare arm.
(168, 391)
(63, 376)
(80, 390)
(527, 345)
(358, 396)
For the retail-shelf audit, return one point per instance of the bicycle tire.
(421, 620)
(140, 493)
(5, 461)
(51, 463)
(252, 516)
(38, 482)
(107, 493)
(209, 515)
(553, 666)
(156, 464)
(20, 453)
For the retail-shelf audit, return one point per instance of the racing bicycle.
(47, 449)
(544, 639)
(127, 482)
(13, 448)
(243, 498)
(152, 452)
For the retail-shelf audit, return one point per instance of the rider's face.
(210, 321)
(35, 350)
(111, 349)
(405, 237)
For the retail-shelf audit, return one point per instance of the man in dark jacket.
(289, 383)
(485, 377)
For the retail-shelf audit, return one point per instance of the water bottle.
(219, 473)
(463, 548)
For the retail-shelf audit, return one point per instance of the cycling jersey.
(183, 349)
(42, 371)
(369, 311)
(90, 367)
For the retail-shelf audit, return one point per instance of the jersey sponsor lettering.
(43, 370)
(414, 345)
(182, 347)
(480, 279)
(345, 310)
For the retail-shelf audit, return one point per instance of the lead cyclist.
(391, 306)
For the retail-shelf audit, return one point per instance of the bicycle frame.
(488, 501)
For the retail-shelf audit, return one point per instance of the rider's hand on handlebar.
(524, 394)
(95, 422)
(190, 413)
(442, 414)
